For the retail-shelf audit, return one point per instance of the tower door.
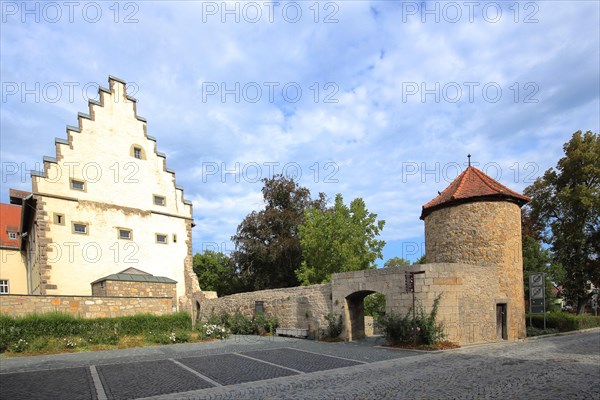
(501, 321)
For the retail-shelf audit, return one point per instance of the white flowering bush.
(20, 346)
(213, 331)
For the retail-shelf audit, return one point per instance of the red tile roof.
(472, 185)
(10, 221)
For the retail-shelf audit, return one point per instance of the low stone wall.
(85, 306)
(303, 307)
(135, 289)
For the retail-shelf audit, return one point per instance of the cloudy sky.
(375, 99)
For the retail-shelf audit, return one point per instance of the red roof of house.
(472, 185)
(10, 221)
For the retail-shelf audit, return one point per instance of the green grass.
(41, 332)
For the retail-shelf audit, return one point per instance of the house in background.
(13, 274)
(105, 202)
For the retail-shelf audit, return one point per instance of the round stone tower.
(476, 220)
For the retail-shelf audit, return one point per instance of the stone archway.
(355, 314)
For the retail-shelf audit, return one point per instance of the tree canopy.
(396, 262)
(566, 204)
(338, 239)
(267, 247)
(216, 271)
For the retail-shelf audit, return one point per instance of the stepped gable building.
(105, 202)
(477, 220)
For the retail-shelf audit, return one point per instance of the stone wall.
(467, 307)
(85, 306)
(303, 307)
(135, 289)
(484, 233)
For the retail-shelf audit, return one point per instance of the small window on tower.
(137, 153)
(174, 238)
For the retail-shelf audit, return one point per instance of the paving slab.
(64, 384)
(229, 369)
(150, 378)
(301, 360)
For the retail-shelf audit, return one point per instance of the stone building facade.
(104, 202)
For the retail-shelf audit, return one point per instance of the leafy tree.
(267, 247)
(216, 271)
(566, 202)
(421, 260)
(375, 305)
(338, 239)
(396, 262)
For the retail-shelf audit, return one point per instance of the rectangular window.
(59, 219)
(12, 235)
(125, 234)
(161, 238)
(159, 200)
(137, 153)
(4, 286)
(77, 184)
(80, 228)
(102, 285)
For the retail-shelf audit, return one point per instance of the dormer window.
(160, 200)
(12, 235)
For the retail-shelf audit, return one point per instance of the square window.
(159, 200)
(125, 234)
(4, 286)
(80, 228)
(59, 219)
(137, 153)
(12, 235)
(77, 184)
(161, 238)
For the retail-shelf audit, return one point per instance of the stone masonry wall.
(303, 307)
(483, 233)
(135, 289)
(85, 306)
(467, 306)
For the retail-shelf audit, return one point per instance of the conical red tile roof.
(472, 185)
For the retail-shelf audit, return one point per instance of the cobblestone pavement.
(559, 367)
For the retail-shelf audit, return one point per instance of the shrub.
(563, 322)
(212, 331)
(239, 324)
(334, 326)
(531, 331)
(422, 328)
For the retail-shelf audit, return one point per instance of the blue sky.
(375, 99)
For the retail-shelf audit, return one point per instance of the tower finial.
(469, 157)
